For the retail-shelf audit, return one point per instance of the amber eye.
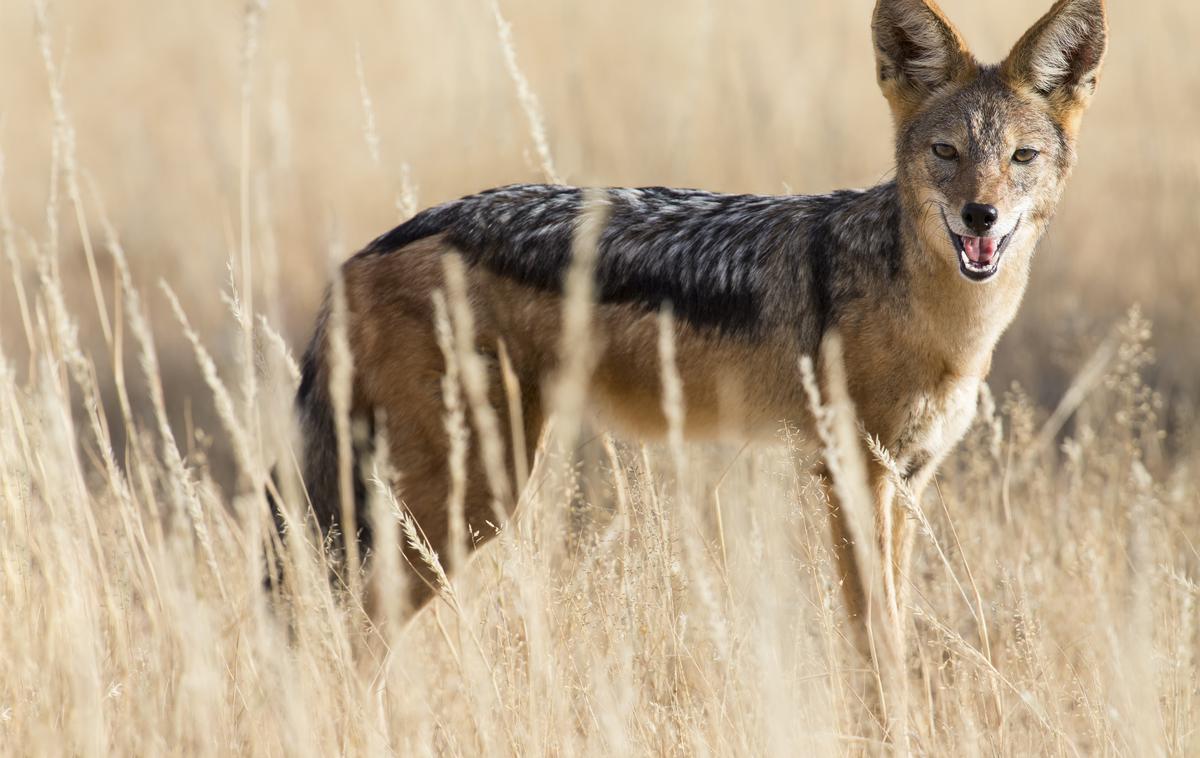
(1025, 155)
(944, 151)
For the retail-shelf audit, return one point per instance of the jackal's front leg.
(871, 552)
(871, 567)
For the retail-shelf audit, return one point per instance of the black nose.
(980, 218)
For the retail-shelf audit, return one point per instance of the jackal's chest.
(931, 420)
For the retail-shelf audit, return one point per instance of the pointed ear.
(1060, 56)
(917, 51)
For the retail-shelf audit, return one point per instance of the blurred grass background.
(758, 96)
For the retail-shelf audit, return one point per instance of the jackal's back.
(737, 264)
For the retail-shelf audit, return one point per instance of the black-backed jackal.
(919, 276)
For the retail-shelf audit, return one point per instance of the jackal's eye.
(1025, 155)
(944, 151)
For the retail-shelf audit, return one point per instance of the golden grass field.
(228, 154)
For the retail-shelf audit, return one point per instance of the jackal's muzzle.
(979, 257)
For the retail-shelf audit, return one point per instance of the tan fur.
(398, 365)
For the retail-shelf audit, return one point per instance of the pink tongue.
(980, 249)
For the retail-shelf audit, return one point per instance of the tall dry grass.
(178, 181)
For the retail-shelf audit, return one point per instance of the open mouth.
(979, 257)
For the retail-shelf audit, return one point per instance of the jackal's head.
(983, 151)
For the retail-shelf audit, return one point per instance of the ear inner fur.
(1060, 57)
(917, 52)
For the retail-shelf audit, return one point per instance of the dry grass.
(653, 600)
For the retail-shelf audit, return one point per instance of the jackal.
(920, 276)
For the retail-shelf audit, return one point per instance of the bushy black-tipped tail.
(318, 431)
(320, 460)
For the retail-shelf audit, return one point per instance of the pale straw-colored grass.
(666, 599)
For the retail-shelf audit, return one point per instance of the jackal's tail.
(320, 460)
